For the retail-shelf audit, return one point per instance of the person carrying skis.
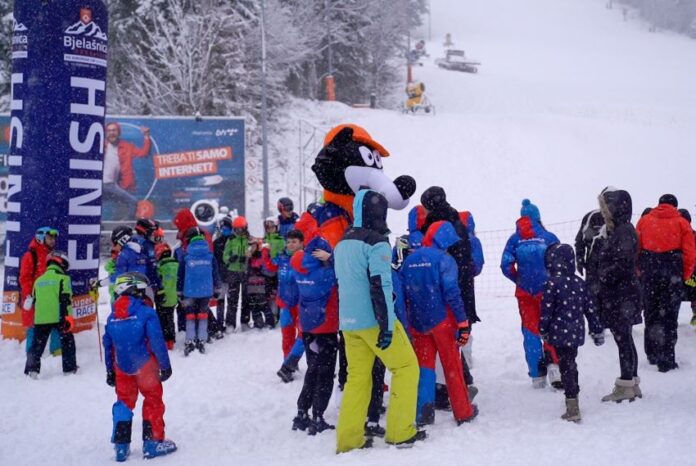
(565, 304)
(235, 257)
(52, 297)
(197, 283)
(523, 263)
(370, 329)
(667, 259)
(313, 276)
(136, 361)
(31, 267)
(167, 298)
(438, 321)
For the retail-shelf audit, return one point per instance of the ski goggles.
(42, 232)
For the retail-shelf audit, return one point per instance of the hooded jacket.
(667, 243)
(461, 251)
(198, 274)
(566, 302)
(523, 257)
(132, 336)
(363, 267)
(430, 280)
(591, 223)
(316, 295)
(138, 255)
(618, 296)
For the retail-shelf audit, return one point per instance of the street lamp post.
(264, 126)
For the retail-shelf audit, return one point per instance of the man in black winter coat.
(619, 297)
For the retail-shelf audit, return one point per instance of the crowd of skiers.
(334, 299)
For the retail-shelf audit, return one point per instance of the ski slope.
(569, 99)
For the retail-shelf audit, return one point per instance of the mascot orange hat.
(359, 135)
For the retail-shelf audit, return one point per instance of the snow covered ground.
(568, 100)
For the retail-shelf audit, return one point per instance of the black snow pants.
(569, 370)
(41, 334)
(320, 350)
(628, 355)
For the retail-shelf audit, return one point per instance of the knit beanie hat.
(670, 199)
(530, 210)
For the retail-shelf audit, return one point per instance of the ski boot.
(219, 335)
(667, 366)
(539, 382)
(122, 451)
(200, 346)
(154, 448)
(623, 390)
(442, 402)
(554, 375)
(373, 429)
(33, 375)
(572, 413)
(189, 346)
(285, 374)
(418, 437)
(301, 421)
(318, 425)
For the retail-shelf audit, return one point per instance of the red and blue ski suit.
(434, 309)
(523, 263)
(135, 351)
(287, 293)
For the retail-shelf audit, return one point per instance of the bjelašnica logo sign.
(84, 41)
(19, 40)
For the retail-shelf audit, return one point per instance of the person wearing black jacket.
(434, 200)
(618, 296)
(585, 253)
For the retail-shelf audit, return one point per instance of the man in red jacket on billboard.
(119, 176)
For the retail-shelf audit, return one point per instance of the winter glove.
(384, 339)
(159, 298)
(111, 378)
(691, 282)
(67, 324)
(463, 333)
(28, 303)
(165, 374)
(598, 339)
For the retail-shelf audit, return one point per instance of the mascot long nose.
(396, 192)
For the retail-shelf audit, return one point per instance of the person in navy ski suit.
(197, 283)
(438, 320)
(523, 263)
(565, 304)
(317, 296)
(138, 255)
(136, 361)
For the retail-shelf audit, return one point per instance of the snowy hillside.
(569, 99)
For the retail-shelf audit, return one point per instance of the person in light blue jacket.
(370, 328)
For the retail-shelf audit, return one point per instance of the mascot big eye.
(349, 161)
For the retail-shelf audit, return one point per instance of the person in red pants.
(136, 362)
(438, 321)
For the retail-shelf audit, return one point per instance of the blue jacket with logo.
(431, 280)
(198, 274)
(132, 336)
(138, 255)
(523, 257)
(315, 284)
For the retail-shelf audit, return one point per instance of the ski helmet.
(121, 235)
(60, 259)
(146, 227)
(225, 221)
(239, 223)
(41, 233)
(193, 232)
(162, 250)
(270, 221)
(131, 284)
(285, 204)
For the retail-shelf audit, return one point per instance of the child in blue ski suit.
(136, 361)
